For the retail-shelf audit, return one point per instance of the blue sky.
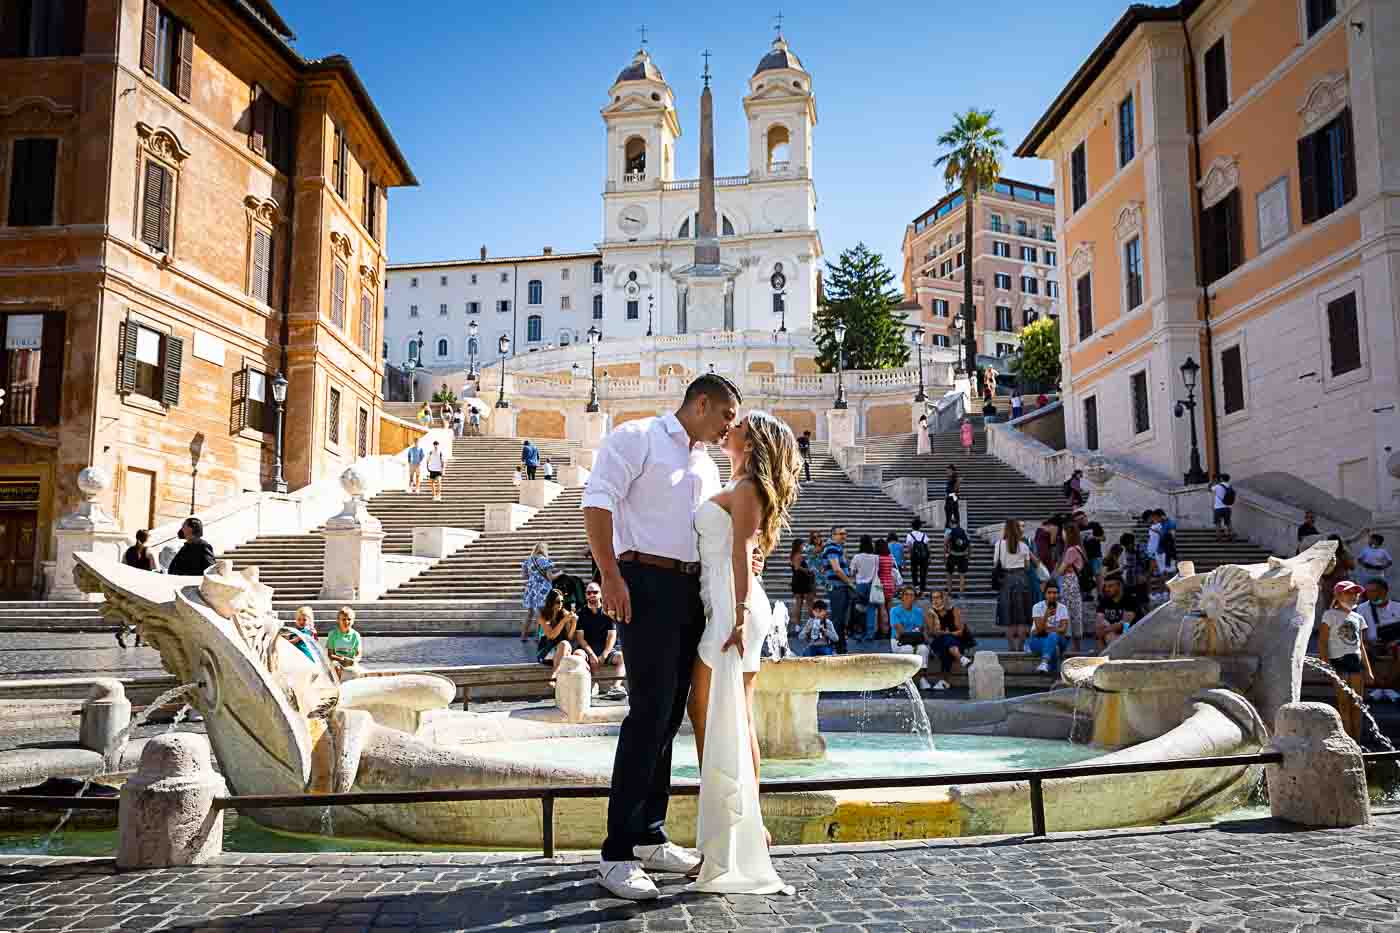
(496, 107)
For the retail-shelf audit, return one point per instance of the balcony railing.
(634, 178)
(693, 184)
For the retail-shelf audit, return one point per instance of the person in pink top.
(890, 582)
(967, 436)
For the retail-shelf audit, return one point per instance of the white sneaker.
(627, 880)
(941, 685)
(966, 660)
(667, 857)
(923, 682)
(1043, 667)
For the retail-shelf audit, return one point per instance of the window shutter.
(19, 183)
(51, 368)
(174, 360)
(1209, 236)
(43, 168)
(238, 417)
(1343, 336)
(184, 75)
(257, 112)
(152, 203)
(1085, 299)
(362, 434)
(1347, 155)
(366, 324)
(333, 417)
(149, 37)
(126, 366)
(1307, 177)
(1234, 235)
(1232, 379)
(1091, 423)
(262, 266)
(338, 296)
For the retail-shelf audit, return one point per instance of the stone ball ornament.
(1099, 470)
(93, 481)
(354, 482)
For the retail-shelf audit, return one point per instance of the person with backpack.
(959, 547)
(1134, 567)
(1224, 500)
(1161, 541)
(804, 448)
(916, 543)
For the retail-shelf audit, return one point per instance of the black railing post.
(547, 814)
(1037, 807)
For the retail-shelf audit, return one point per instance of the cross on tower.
(706, 55)
(643, 30)
(778, 26)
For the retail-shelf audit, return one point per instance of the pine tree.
(858, 292)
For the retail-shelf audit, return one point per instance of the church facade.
(628, 286)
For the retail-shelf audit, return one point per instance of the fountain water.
(1318, 664)
(921, 725)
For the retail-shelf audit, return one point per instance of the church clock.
(632, 220)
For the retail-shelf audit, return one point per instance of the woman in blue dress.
(538, 572)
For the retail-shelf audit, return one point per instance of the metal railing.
(548, 794)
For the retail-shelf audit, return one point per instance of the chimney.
(549, 251)
(483, 251)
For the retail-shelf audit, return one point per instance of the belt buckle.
(692, 568)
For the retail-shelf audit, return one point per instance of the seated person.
(1116, 611)
(951, 639)
(1382, 615)
(557, 627)
(343, 645)
(305, 632)
(596, 638)
(1049, 629)
(819, 632)
(912, 632)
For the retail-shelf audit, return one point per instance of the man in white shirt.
(649, 477)
(1374, 559)
(1049, 628)
(436, 464)
(1224, 501)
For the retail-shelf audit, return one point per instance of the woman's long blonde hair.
(775, 466)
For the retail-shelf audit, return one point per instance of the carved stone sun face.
(1224, 611)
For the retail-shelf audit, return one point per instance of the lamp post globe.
(594, 335)
(503, 345)
(916, 336)
(1190, 372)
(471, 350)
(279, 395)
(839, 332)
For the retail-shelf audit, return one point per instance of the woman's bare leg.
(699, 705)
(528, 624)
(561, 651)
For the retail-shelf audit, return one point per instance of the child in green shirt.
(343, 644)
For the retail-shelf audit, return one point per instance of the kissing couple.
(680, 556)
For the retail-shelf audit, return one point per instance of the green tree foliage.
(858, 292)
(1040, 352)
(445, 395)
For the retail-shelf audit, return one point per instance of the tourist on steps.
(415, 467)
(1072, 564)
(596, 638)
(840, 588)
(896, 550)
(1049, 630)
(343, 645)
(530, 457)
(912, 633)
(890, 581)
(804, 447)
(917, 544)
(303, 633)
(1382, 616)
(437, 463)
(1341, 641)
(1224, 495)
(1017, 404)
(952, 642)
(196, 555)
(965, 433)
(959, 547)
(865, 567)
(813, 552)
(803, 581)
(819, 633)
(538, 573)
(139, 557)
(1010, 560)
(1114, 614)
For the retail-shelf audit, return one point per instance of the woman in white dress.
(747, 514)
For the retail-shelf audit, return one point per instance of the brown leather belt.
(663, 563)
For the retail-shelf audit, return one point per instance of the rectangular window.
(597, 307)
(1001, 249)
(1232, 379)
(633, 310)
(1003, 318)
(1002, 281)
(940, 307)
(473, 307)
(959, 262)
(1047, 233)
(1029, 316)
(362, 434)
(1132, 272)
(412, 310)
(333, 417)
(270, 131)
(534, 328)
(366, 321)
(1084, 294)
(371, 211)
(442, 310)
(42, 29)
(996, 223)
(1030, 285)
(1217, 81)
(1050, 258)
(535, 292)
(473, 278)
(564, 274)
(1320, 13)
(1141, 421)
(942, 340)
(1004, 349)
(413, 282)
(1078, 177)
(1127, 135)
(340, 163)
(1029, 254)
(338, 277)
(1222, 237)
(261, 279)
(1327, 168)
(157, 197)
(256, 412)
(1091, 422)
(1052, 288)
(442, 281)
(505, 278)
(564, 303)
(167, 50)
(150, 363)
(33, 176)
(1022, 228)
(503, 306)
(1343, 335)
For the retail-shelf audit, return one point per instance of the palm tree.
(971, 160)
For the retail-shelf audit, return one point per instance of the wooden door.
(18, 539)
(138, 500)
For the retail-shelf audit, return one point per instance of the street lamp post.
(503, 345)
(651, 301)
(279, 395)
(962, 348)
(1190, 370)
(782, 311)
(471, 350)
(840, 333)
(593, 337)
(917, 335)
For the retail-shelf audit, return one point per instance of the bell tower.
(642, 127)
(782, 112)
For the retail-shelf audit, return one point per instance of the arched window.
(442, 348)
(725, 227)
(690, 227)
(473, 346)
(565, 338)
(597, 307)
(778, 148)
(536, 292)
(534, 328)
(413, 349)
(598, 272)
(635, 158)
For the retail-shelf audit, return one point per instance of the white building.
(626, 287)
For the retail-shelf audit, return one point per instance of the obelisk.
(706, 281)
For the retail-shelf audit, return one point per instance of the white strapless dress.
(729, 828)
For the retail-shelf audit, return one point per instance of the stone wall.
(798, 419)
(540, 424)
(396, 435)
(889, 419)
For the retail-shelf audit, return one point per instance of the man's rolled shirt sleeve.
(619, 462)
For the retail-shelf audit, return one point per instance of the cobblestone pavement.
(1239, 876)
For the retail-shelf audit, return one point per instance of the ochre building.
(187, 206)
(1229, 191)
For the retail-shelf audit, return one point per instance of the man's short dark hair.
(820, 604)
(141, 536)
(916, 524)
(836, 528)
(1049, 585)
(195, 525)
(1380, 582)
(715, 386)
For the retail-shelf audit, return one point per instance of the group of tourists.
(463, 419)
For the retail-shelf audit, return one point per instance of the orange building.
(187, 206)
(1229, 179)
(1014, 259)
